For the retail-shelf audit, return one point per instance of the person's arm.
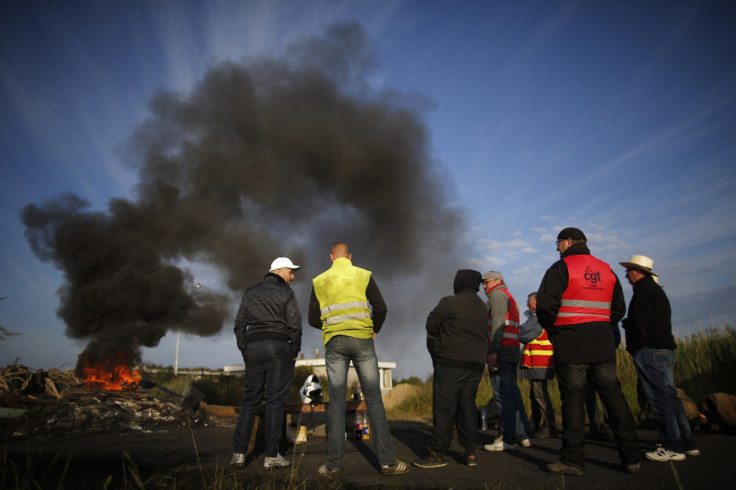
(294, 324)
(530, 329)
(241, 324)
(549, 296)
(618, 303)
(499, 306)
(642, 312)
(435, 319)
(378, 305)
(314, 315)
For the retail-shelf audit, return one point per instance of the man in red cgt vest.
(578, 302)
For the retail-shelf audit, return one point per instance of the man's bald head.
(340, 250)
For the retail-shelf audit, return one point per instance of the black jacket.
(581, 343)
(649, 325)
(269, 311)
(457, 328)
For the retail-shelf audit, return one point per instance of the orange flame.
(111, 374)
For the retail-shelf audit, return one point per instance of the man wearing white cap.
(268, 328)
(649, 339)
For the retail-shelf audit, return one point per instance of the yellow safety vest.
(344, 308)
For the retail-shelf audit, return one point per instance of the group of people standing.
(570, 333)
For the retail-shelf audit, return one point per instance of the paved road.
(524, 468)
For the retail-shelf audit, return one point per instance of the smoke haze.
(262, 158)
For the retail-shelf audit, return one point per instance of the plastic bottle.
(366, 426)
(484, 419)
(358, 424)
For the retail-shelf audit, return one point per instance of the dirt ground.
(90, 458)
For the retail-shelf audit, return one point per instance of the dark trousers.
(453, 403)
(543, 414)
(597, 423)
(268, 368)
(572, 379)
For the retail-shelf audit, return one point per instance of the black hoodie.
(457, 328)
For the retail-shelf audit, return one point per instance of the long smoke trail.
(263, 158)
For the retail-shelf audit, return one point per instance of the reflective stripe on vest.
(338, 313)
(538, 353)
(344, 308)
(589, 291)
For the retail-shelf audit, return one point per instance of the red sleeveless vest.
(589, 291)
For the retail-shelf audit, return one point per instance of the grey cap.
(493, 275)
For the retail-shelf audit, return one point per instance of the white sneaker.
(692, 452)
(276, 462)
(525, 443)
(498, 445)
(238, 460)
(662, 454)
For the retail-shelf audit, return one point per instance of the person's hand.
(492, 363)
(374, 335)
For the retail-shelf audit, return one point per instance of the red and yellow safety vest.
(538, 353)
(589, 291)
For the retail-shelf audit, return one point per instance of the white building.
(319, 369)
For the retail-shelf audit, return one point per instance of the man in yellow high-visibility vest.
(348, 307)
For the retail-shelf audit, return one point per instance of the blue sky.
(615, 117)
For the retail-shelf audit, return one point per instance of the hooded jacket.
(577, 343)
(269, 311)
(457, 328)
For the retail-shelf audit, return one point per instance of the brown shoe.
(434, 460)
(560, 468)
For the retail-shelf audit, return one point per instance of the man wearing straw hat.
(649, 339)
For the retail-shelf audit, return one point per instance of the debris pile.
(56, 403)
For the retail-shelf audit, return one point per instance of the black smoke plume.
(263, 158)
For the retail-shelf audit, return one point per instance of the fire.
(111, 374)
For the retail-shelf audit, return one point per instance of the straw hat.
(641, 262)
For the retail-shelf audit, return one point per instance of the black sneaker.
(434, 460)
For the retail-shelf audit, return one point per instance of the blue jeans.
(512, 405)
(572, 379)
(339, 351)
(269, 367)
(496, 387)
(654, 367)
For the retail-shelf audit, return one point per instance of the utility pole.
(197, 286)
(176, 362)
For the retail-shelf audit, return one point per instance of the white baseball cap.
(283, 262)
